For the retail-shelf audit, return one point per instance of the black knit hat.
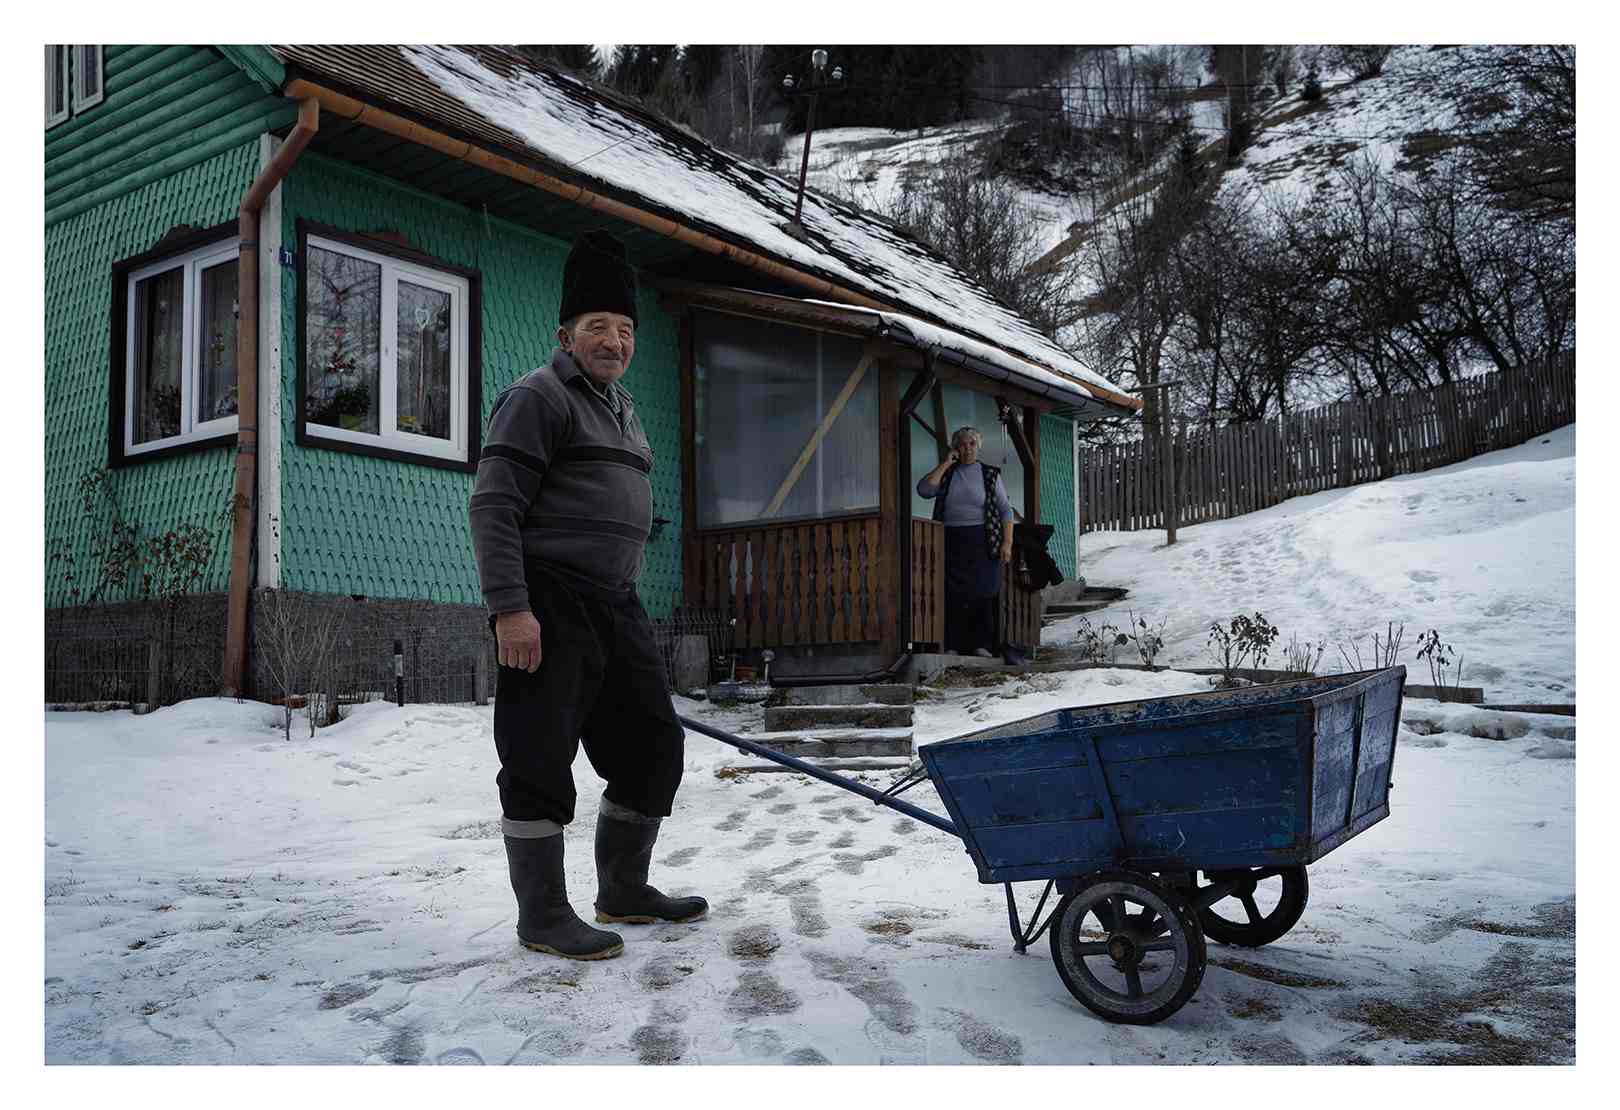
(596, 278)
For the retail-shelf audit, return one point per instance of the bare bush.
(1362, 61)
(1244, 641)
(1441, 658)
(296, 635)
(1099, 645)
(1303, 657)
(1384, 650)
(1149, 639)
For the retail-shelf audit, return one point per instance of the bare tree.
(980, 225)
(750, 71)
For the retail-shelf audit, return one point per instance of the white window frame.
(389, 437)
(194, 262)
(56, 57)
(82, 96)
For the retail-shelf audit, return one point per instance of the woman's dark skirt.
(972, 581)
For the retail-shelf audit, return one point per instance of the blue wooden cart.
(1151, 818)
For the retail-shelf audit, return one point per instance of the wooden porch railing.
(1020, 609)
(927, 581)
(812, 583)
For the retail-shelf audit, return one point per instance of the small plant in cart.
(1442, 662)
(1149, 640)
(1245, 641)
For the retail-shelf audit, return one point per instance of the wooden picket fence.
(1226, 472)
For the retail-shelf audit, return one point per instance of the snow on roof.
(928, 334)
(671, 171)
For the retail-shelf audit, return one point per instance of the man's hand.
(517, 639)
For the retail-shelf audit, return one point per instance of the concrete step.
(885, 694)
(786, 718)
(857, 763)
(836, 742)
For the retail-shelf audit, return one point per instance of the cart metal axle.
(877, 796)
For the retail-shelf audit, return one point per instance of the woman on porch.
(971, 502)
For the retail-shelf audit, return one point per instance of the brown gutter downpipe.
(243, 498)
(360, 112)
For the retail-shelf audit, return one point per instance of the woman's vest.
(992, 519)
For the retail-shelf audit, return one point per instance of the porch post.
(891, 548)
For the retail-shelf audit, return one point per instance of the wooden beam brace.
(827, 421)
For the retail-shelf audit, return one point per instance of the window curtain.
(424, 360)
(216, 362)
(343, 337)
(159, 352)
(761, 391)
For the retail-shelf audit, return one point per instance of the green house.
(398, 219)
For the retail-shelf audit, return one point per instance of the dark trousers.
(600, 681)
(972, 581)
(970, 624)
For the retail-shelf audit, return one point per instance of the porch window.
(74, 81)
(386, 353)
(786, 421)
(964, 407)
(87, 78)
(57, 92)
(179, 357)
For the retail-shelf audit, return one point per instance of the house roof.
(582, 134)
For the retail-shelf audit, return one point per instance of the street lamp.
(816, 81)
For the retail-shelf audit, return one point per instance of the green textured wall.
(165, 110)
(358, 525)
(1057, 489)
(79, 254)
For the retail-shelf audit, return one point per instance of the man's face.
(602, 343)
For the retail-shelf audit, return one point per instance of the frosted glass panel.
(761, 391)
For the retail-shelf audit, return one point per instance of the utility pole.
(1167, 449)
(813, 83)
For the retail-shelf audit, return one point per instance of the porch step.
(885, 694)
(837, 742)
(1094, 598)
(787, 718)
(857, 763)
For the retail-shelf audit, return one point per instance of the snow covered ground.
(215, 894)
(1483, 552)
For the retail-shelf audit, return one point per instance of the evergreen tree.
(581, 59)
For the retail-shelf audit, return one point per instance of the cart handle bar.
(877, 796)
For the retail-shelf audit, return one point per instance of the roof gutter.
(245, 517)
(358, 111)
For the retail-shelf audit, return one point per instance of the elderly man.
(560, 513)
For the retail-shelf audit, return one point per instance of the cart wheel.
(1269, 900)
(1144, 963)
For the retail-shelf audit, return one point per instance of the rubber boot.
(623, 854)
(546, 922)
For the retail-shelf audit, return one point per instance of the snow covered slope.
(1483, 551)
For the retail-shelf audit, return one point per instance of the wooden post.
(154, 675)
(481, 677)
(890, 549)
(691, 564)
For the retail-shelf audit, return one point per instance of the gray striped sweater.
(563, 484)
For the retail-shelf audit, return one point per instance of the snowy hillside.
(1483, 551)
(1397, 117)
